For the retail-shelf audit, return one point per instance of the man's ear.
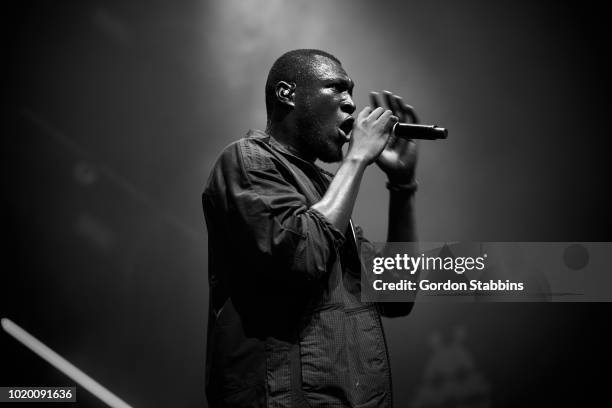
(285, 93)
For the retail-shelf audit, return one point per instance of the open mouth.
(347, 125)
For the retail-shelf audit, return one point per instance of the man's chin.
(332, 156)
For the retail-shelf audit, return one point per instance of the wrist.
(359, 161)
(402, 178)
(403, 188)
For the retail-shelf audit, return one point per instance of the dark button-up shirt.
(287, 327)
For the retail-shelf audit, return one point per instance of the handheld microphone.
(420, 132)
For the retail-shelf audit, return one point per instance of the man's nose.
(348, 105)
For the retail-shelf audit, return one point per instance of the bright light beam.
(62, 364)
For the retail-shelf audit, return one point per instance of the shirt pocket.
(324, 362)
(367, 358)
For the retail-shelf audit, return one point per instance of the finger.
(374, 99)
(391, 122)
(365, 112)
(390, 99)
(384, 120)
(376, 113)
(407, 109)
(399, 105)
(397, 143)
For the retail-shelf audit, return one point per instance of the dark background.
(114, 114)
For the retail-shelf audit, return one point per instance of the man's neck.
(286, 136)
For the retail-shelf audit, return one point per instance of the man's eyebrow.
(345, 82)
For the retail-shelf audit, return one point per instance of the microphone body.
(419, 132)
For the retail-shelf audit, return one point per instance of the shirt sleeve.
(277, 219)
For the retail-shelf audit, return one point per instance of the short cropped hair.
(293, 66)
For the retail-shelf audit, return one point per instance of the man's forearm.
(401, 218)
(401, 229)
(338, 202)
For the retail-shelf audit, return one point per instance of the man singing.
(287, 327)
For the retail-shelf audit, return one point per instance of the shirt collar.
(278, 146)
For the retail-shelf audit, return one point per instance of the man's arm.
(368, 139)
(398, 161)
(402, 227)
(339, 199)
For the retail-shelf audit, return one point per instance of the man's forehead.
(325, 68)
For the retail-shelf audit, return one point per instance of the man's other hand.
(399, 157)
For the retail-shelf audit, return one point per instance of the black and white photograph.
(305, 204)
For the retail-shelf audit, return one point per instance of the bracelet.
(409, 188)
